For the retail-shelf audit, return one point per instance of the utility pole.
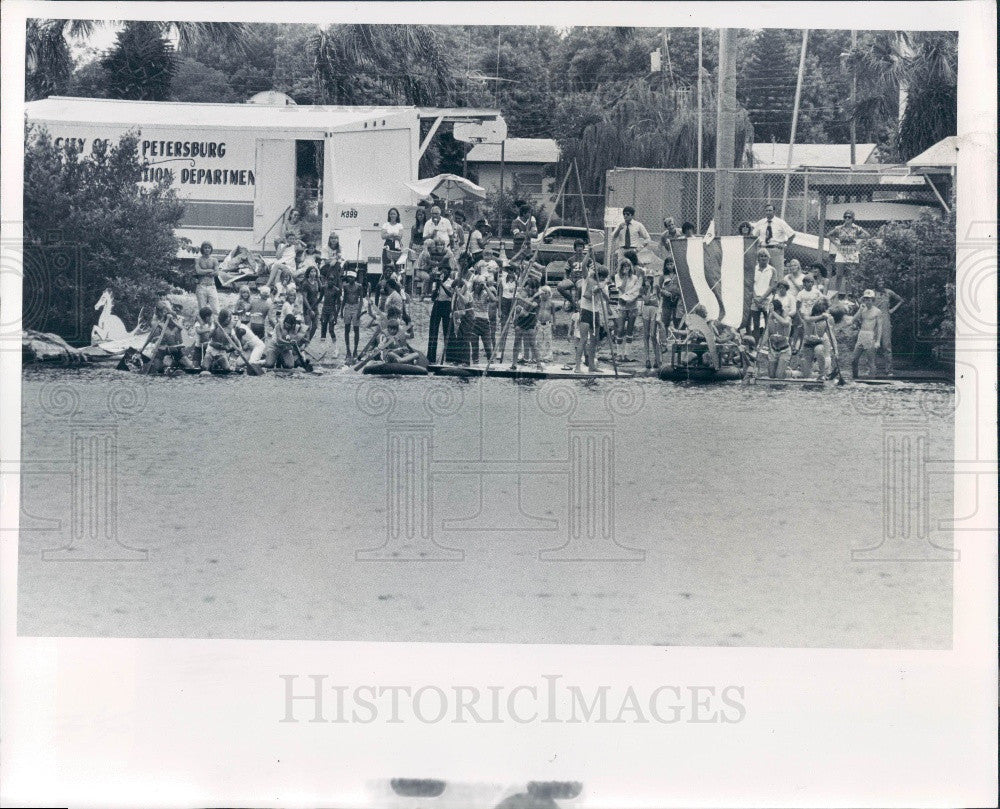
(725, 130)
(795, 118)
(854, 100)
(697, 219)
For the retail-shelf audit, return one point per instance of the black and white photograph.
(399, 327)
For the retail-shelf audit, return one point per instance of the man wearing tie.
(774, 233)
(630, 235)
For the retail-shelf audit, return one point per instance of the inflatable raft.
(728, 373)
(549, 371)
(394, 369)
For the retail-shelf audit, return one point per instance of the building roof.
(943, 154)
(775, 155)
(173, 113)
(516, 150)
(880, 211)
(252, 116)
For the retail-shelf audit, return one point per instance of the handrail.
(267, 232)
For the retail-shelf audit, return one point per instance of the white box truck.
(235, 166)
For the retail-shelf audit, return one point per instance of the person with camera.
(442, 290)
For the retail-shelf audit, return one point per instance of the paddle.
(837, 373)
(252, 369)
(163, 333)
(363, 354)
(611, 343)
(123, 364)
(302, 360)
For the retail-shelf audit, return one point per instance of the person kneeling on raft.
(393, 345)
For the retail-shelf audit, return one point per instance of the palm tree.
(909, 81)
(648, 128)
(390, 63)
(49, 63)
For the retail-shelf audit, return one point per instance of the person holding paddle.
(593, 303)
(281, 350)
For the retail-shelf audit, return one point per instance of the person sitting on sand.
(221, 344)
(202, 332)
(170, 339)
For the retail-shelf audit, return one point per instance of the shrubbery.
(90, 225)
(917, 261)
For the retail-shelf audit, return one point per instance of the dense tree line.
(591, 89)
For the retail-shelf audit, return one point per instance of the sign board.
(481, 131)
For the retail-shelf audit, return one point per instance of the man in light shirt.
(438, 227)
(764, 279)
(775, 234)
(630, 235)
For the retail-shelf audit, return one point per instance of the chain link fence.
(812, 202)
(909, 217)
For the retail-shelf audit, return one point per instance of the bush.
(90, 225)
(917, 261)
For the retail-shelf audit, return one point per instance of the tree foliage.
(141, 65)
(916, 260)
(111, 231)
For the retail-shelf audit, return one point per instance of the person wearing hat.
(869, 322)
(350, 311)
(764, 280)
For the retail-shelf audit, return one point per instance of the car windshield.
(568, 233)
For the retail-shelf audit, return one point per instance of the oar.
(836, 353)
(252, 369)
(302, 360)
(367, 349)
(611, 343)
(163, 333)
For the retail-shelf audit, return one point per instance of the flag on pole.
(717, 274)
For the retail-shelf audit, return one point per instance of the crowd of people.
(479, 295)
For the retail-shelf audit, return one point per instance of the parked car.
(555, 245)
